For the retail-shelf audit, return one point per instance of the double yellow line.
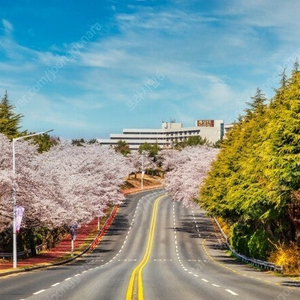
(135, 287)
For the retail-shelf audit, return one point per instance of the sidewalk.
(87, 238)
(59, 253)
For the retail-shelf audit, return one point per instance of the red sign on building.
(205, 123)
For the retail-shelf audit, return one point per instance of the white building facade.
(170, 132)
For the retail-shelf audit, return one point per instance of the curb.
(92, 246)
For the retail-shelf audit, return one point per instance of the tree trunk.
(270, 231)
(294, 213)
(298, 238)
(31, 242)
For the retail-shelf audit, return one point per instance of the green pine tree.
(44, 142)
(122, 147)
(9, 120)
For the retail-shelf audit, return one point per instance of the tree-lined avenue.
(178, 259)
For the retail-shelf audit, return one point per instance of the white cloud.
(278, 16)
(211, 63)
(85, 102)
(8, 28)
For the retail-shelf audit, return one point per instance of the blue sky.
(91, 68)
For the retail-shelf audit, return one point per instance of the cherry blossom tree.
(89, 178)
(137, 160)
(63, 186)
(169, 159)
(6, 180)
(187, 170)
(29, 188)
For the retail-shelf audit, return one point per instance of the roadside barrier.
(256, 262)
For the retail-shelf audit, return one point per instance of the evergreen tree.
(92, 141)
(282, 157)
(234, 188)
(255, 182)
(9, 120)
(45, 142)
(78, 142)
(122, 147)
(151, 149)
(192, 141)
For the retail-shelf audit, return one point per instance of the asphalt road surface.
(155, 249)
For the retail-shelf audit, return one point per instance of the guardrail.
(256, 262)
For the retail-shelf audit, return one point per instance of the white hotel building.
(170, 132)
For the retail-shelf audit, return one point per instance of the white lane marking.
(79, 274)
(194, 260)
(204, 280)
(215, 285)
(36, 293)
(231, 292)
(176, 249)
(57, 283)
(124, 242)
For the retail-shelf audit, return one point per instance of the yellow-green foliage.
(257, 171)
(225, 227)
(287, 256)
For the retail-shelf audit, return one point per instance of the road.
(175, 251)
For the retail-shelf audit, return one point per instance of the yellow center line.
(135, 287)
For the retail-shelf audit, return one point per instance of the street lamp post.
(14, 195)
(142, 175)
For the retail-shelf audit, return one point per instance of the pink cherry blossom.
(186, 171)
(66, 185)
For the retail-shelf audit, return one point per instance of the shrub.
(288, 256)
(239, 238)
(225, 227)
(259, 245)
